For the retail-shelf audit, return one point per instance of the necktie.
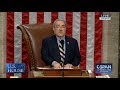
(62, 51)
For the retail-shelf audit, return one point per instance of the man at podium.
(60, 50)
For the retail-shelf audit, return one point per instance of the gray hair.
(58, 20)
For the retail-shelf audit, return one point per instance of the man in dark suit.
(59, 49)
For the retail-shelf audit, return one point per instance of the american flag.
(83, 26)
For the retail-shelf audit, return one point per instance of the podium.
(43, 72)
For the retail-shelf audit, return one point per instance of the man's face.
(59, 28)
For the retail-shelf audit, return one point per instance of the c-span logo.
(104, 68)
(15, 67)
(105, 17)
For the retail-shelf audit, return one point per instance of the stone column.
(111, 42)
(119, 50)
(2, 44)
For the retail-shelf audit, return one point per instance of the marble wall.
(111, 42)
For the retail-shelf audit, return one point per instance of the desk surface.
(76, 72)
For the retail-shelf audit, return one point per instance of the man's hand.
(57, 65)
(68, 66)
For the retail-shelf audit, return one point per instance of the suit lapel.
(56, 47)
(67, 43)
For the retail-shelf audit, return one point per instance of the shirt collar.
(60, 38)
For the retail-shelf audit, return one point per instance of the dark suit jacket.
(50, 51)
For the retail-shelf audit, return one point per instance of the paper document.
(53, 68)
(43, 68)
(63, 68)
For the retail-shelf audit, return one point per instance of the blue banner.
(105, 68)
(15, 68)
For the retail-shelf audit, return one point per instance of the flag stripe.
(69, 20)
(98, 38)
(25, 20)
(83, 39)
(10, 40)
(54, 16)
(32, 17)
(62, 15)
(90, 41)
(76, 27)
(40, 17)
(17, 40)
(47, 17)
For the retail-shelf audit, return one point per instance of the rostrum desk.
(76, 72)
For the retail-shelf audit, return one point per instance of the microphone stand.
(62, 64)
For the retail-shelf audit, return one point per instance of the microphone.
(62, 64)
